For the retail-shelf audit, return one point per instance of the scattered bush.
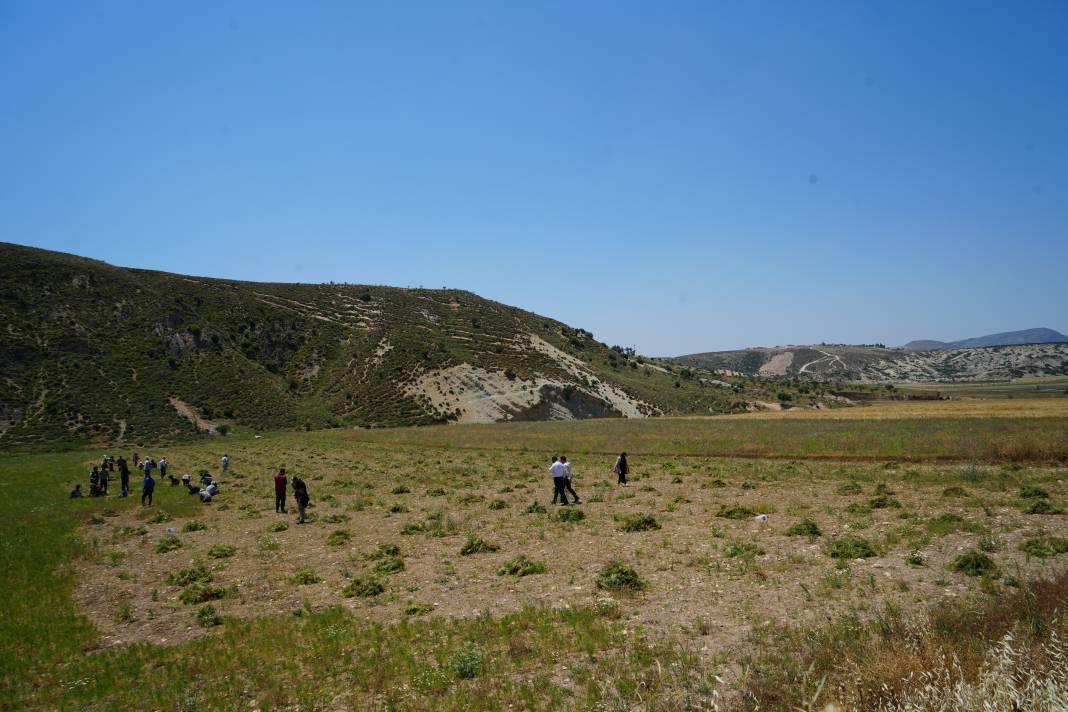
(498, 504)
(954, 492)
(417, 609)
(806, 527)
(568, 514)
(1033, 493)
(278, 527)
(305, 576)
(389, 565)
(535, 508)
(974, 563)
(850, 488)
(192, 574)
(521, 566)
(336, 518)
(851, 547)
(466, 663)
(638, 522)
(1043, 506)
(167, 543)
(617, 576)
(194, 525)
(477, 545)
(363, 586)
(338, 538)
(401, 489)
(222, 551)
(736, 512)
(742, 550)
(201, 592)
(207, 616)
(915, 559)
(884, 502)
(382, 551)
(159, 517)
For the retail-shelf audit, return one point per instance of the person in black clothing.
(94, 482)
(124, 475)
(300, 493)
(621, 468)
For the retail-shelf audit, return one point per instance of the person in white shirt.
(225, 462)
(559, 472)
(567, 479)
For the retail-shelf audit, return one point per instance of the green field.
(94, 616)
(962, 439)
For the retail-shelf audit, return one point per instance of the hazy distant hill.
(874, 364)
(96, 352)
(1040, 335)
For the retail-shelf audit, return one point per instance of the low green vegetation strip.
(991, 439)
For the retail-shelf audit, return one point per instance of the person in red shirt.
(280, 491)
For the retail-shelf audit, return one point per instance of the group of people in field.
(100, 475)
(561, 473)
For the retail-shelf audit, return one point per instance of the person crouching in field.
(300, 493)
(558, 470)
(148, 486)
(77, 491)
(280, 492)
(621, 469)
(567, 479)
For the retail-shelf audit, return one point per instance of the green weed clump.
(806, 527)
(521, 566)
(736, 512)
(637, 522)
(222, 551)
(168, 542)
(1043, 547)
(400, 489)
(364, 586)
(382, 551)
(617, 576)
(954, 492)
(336, 518)
(915, 559)
(884, 501)
(201, 592)
(849, 488)
(417, 609)
(305, 576)
(159, 517)
(466, 663)
(742, 550)
(278, 527)
(123, 613)
(339, 538)
(498, 504)
(1043, 506)
(851, 547)
(192, 574)
(194, 525)
(568, 514)
(945, 523)
(207, 616)
(974, 563)
(477, 545)
(535, 508)
(1031, 492)
(389, 565)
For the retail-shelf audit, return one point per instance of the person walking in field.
(558, 470)
(567, 480)
(124, 476)
(225, 463)
(136, 461)
(162, 467)
(300, 493)
(148, 486)
(104, 481)
(621, 469)
(280, 491)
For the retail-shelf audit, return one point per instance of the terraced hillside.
(101, 353)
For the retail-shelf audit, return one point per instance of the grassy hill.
(93, 353)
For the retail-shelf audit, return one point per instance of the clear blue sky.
(675, 176)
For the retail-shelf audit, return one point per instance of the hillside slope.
(874, 364)
(96, 352)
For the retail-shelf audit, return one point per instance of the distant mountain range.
(1040, 335)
